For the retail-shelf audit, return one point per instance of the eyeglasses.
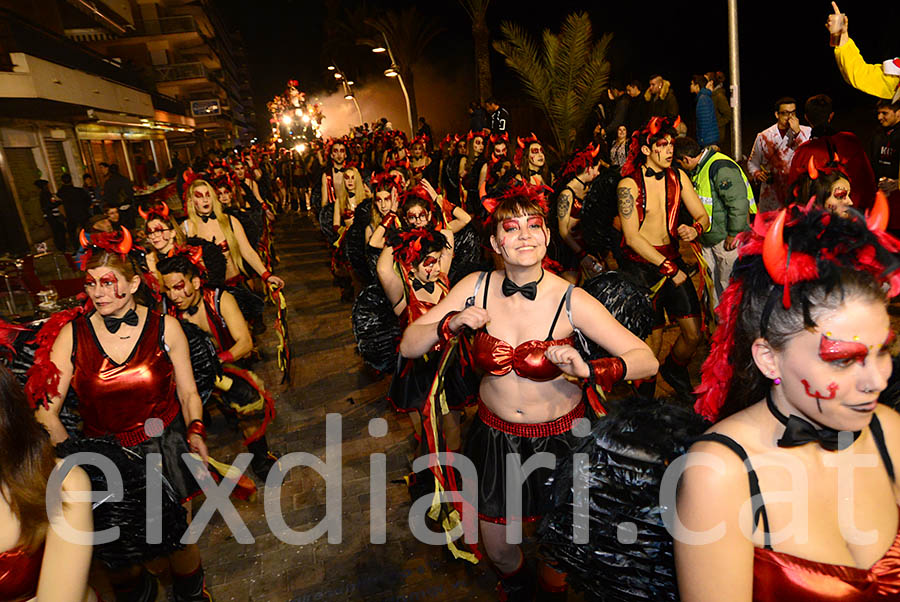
(414, 217)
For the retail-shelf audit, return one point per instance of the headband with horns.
(119, 243)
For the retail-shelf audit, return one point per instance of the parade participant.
(826, 186)
(162, 233)
(456, 147)
(421, 165)
(728, 200)
(216, 313)
(397, 151)
(412, 270)
(207, 220)
(525, 402)
(579, 173)
(470, 168)
(773, 150)
(349, 196)
(130, 367)
(385, 205)
(793, 376)
(531, 163)
(335, 155)
(497, 151)
(650, 195)
(37, 563)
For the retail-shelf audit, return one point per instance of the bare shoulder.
(628, 183)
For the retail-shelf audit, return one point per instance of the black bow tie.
(799, 431)
(192, 309)
(113, 324)
(529, 291)
(419, 285)
(659, 175)
(209, 216)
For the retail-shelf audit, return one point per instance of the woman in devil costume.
(531, 163)
(578, 175)
(526, 405)
(126, 363)
(792, 384)
(827, 186)
(470, 168)
(162, 232)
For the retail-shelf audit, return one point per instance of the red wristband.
(226, 357)
(699, 228)
(607, 371)
(668, 268)
(266, 275)
(196, 427)
(388, 219)
(443, 328)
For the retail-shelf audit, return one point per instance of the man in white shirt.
(770, 159)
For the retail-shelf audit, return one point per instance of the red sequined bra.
(526, 359)
(778, 576)
(19, 573)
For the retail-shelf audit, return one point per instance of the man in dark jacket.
(828, 145)
(661, 101)
(885, 155)
(637, 107)
(117, 190)
(77, 203)
(707, 128)
(618, 114)
(52, 209)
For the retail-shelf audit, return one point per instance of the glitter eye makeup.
(832, 350)
(510, 225)
(536, 220)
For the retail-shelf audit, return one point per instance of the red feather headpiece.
(411, 246)
(656, 127)
(521, 191)
(384, 181)
(119, 242)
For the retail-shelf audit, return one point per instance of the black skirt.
(170, 445)
(491, 439)
(413, 379)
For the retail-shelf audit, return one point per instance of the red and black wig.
(655, 130)
(580, 162)
(411, 247)
(517, 200)
(815, 184)
(792, 266)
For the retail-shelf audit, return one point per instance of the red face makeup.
(840, 193)
(536, 150)
(429, 261)
(109, 279)
(832, 350)
(832, 393)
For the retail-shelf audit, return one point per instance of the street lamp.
(379, 49)
(394, 71)
(348, 92)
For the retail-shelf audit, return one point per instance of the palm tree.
(564, 75)
(477, 9)
(408, 33)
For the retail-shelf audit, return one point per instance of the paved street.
(328, 378)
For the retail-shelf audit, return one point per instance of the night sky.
(784, 51)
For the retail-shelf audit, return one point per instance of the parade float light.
(305, 118)
(286, 120)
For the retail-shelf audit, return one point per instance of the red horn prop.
(774, 250)
(595, 151)
(125, 246)
(144, 215)
(654, 126)
(877, 217)
(677, 122)
(520, 142)
(837, 158)
(83, 239)
(812, 169)
(197, 256)
(164, 210)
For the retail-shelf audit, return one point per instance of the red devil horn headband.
(877, 218)
(811, 168)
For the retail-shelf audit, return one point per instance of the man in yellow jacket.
(882, 80)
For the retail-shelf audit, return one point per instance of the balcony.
(167, 25)
(182, 71)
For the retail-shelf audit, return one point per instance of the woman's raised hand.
(473, 317)
(567, 359)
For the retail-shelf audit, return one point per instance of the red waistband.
(669, 251)
(561, 425)
(139, 435)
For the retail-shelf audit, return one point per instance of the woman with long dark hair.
(797, 476)
(37, 561)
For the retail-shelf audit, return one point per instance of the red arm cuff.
(443, 328)
(607, 371)
(699, 228)
(668, 268)
(226, 357)
(266, 275)
(196, 427)
(388, 219)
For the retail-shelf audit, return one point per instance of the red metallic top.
(527, 359)
(778, 576)
(19, 573)
(116, 398)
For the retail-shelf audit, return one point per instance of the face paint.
(89, 280)
(832, 350)
(429, 261)
(110, 279)
(832, 393)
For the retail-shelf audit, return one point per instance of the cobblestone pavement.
(328, 377)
